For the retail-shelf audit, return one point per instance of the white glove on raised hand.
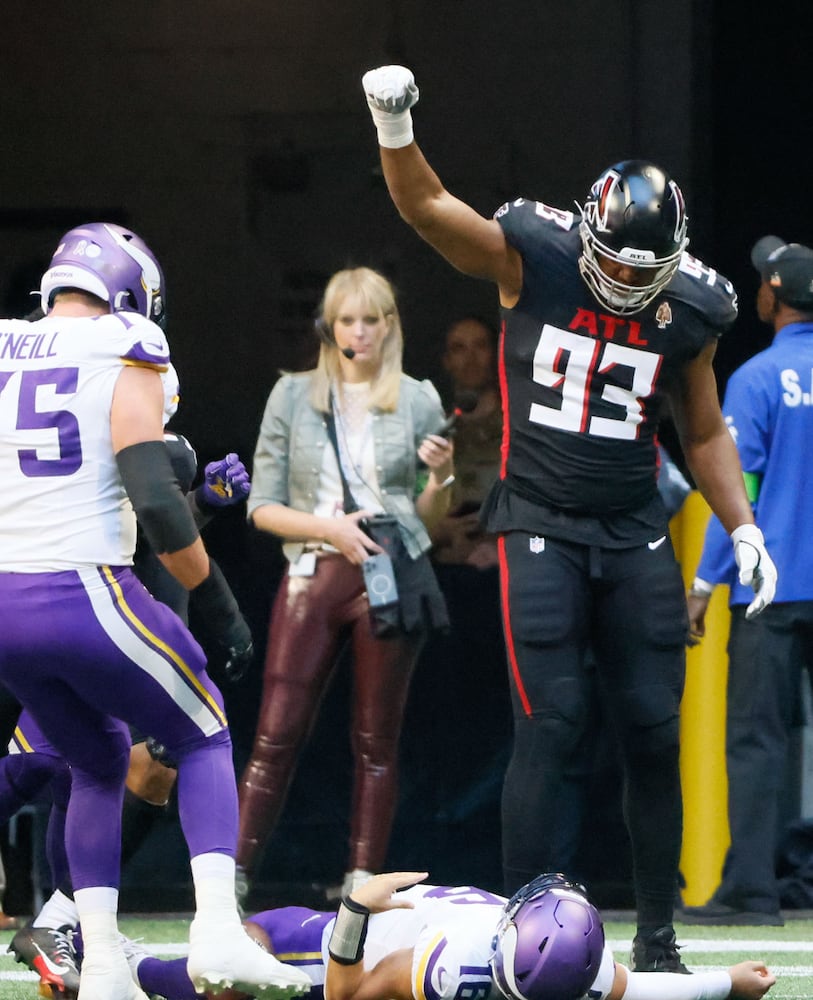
(756, 567)
(391, 92)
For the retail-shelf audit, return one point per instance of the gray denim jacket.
(293, 437)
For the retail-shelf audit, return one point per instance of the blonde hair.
(377, 295)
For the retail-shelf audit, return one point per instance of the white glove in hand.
(756, 567)
(391, 92)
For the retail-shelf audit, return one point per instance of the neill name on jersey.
(27, 345)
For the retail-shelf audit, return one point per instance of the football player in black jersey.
(606, 320)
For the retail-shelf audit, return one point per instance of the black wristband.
(213, 599)
(346, 945)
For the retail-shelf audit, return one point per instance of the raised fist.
(390, 89)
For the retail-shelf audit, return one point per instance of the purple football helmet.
(549, 942)
(112, 263)
(634, 215)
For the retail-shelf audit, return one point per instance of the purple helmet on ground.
(112, 263)
(549, 942)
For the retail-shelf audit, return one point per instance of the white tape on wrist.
(394, 130)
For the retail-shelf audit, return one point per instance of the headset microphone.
(325, 334)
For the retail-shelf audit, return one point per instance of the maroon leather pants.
(310, 620)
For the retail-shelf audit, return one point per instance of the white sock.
(97, 914)
(213, 875)
(57, 911)
(97, 899)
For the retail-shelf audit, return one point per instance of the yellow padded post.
(702, 722)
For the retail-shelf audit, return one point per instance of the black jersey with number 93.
(583, 389)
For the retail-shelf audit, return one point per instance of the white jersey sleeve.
(453, 947)
(62, 503)
(603, 982)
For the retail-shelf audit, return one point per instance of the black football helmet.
(635, 215)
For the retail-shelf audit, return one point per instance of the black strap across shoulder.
(350, 504)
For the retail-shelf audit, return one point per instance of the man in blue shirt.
(769, 409)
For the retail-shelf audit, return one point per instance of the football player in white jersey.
(84, 645)
(431, 942)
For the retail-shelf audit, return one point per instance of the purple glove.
(225, 482)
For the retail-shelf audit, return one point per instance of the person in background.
(399, 937)
(470, 361)
(606, 323)
(84, 645)
(462, 778)
(338, 450)
(768, 407)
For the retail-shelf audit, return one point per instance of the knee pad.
(546, 738)
(648, 720)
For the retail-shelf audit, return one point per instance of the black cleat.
(51, 954)
(657, 953)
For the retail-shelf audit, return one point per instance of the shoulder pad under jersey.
(137, 340)
(521, 219)
(706, 291)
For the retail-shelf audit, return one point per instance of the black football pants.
(574, 614)
(766, 657)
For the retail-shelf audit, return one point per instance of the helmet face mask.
(112, 263)
(634, 217)
(549, 942)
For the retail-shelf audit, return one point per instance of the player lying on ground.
(431, 942)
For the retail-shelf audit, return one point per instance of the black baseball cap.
(787, 268)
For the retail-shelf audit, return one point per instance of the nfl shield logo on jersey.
(537, 544)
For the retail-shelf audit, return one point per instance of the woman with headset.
(347, 453)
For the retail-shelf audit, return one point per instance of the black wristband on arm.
(214, 600)
(219, 617)
(159, 505)
(346, 945)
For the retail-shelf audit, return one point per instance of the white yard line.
(706, 945)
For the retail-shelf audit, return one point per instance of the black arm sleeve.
(215, 607)
(159, 504)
